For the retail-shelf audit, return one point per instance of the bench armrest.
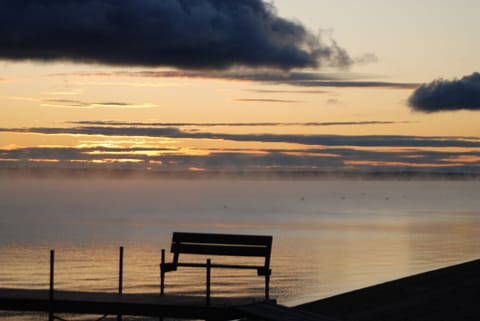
(262, 271)
(168, 267)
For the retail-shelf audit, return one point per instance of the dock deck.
(160, 305)
(152, 305)
(121, 304)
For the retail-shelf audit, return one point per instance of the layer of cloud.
(325, 159)
(260, 100)
(447, 95)
(70, 103)
(245, 124)
(298, 78)
(273, 91)
(195, 34)
(319, 153)
(312, 139)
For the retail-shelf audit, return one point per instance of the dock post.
(162, 274)
(120, 277)
(50, 296)
(267, 287)
(162, 278)
(120, 272)
(209, 268)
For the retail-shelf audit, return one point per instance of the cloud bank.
(447, 95)
(134, 146)
(324, 160)
(187, 34)
(293, 78)
(301, 139)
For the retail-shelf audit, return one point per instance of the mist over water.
(329, 236)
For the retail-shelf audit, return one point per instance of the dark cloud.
(447, 95)
(193, 34)
(354, 84)
(302, 79)
(320, 140)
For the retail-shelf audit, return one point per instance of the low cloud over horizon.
(447, 95)
(293, 78)
(403, 141)
(200, 34)
(329, 159)
(235, 124)
(142, 146)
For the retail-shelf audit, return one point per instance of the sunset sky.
(304, 85)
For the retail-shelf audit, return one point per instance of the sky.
(216, 85)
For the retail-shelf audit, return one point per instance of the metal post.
(52, 270)
(120, 278)
(120, 272)
(267, 286)
(209, 267)
(162, 274)
(162, 278)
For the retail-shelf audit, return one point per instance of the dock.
(154, 305)
(159, 305)
(448, 294)
(150, 305)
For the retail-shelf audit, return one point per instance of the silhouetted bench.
(218, 244)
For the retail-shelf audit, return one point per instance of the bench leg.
(162, 274)
(209, 268)
(267, 287)
(51, 316)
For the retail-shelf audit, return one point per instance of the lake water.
(329, 236)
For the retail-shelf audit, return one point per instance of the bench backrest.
(222, 244)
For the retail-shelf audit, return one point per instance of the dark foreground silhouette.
(447, 294)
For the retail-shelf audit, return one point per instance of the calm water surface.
(329, 236)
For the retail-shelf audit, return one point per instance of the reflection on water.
(329, 236)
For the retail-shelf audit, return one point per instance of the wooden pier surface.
(154, 305)
(126, 304)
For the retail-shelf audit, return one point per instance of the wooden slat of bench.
(226, 266)
(253, 240)
(220, 250)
